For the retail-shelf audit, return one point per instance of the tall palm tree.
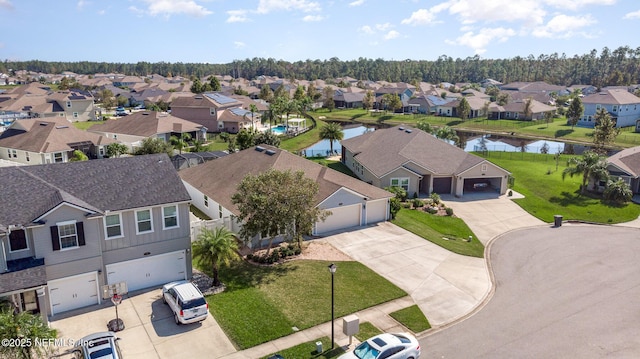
(180, 142)
(591, 166)
(332, 132)
(253, 109)
(216, 248)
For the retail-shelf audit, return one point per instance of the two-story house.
(216, 112)
(49, 140)
(67, 229)
(76, 105)
(622, 106)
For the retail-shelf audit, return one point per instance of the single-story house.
(419, 163)
(352, 202)
(626, 165)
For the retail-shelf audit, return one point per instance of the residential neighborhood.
(111, 187)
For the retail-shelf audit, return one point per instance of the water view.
(323, 148)
(487, 143)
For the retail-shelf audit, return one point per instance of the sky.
(220, 31)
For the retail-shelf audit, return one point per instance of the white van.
(186, 302)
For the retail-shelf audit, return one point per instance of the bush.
(297, 251)
(510, 193)
(406, 205)
(249, 256)
(449, 211)
(417, 203)
(435, 198)
(415, 195)
(432, 210)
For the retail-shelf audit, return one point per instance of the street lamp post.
(332, 269)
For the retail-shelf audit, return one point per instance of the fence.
(198, 226)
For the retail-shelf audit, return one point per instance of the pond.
(511, 144)
(323, 148)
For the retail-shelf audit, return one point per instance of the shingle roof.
(97, 185)
(627, 160)
(46, 136)
(612, 97)
(383, 151)
(146, 123)
(219, 179)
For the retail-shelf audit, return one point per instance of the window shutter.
(55, 240)
(80, 229)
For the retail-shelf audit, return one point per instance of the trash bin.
(319, 347)
(557, 220)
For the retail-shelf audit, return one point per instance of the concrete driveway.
(567, 292)
(445, 285)
(150, 331)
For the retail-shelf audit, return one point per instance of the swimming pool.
(279, 129)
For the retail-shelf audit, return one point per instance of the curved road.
(567, 292)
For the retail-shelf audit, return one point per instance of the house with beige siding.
(49, 140)
(67, 229)
(216, 112)
(420, 163)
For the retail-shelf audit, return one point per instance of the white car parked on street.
(386, 346)
(186, 302)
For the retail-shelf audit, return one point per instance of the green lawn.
(436, 228)
(264, 303)
(308, 350)
(85, 125)
(366, 331)
(546, 194)
(307, 139)
(335, 165)
(412, 318)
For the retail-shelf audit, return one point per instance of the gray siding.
(74, 267)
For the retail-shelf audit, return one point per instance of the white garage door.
(73, 292)
(340, 218)
(148, 272)
(376, 211)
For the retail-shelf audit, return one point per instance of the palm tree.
(253, 109)
(180, 142)
(332, 132)
(618, 191)
(215, 248)
(591, 166)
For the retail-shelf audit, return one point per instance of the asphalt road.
(568, 292)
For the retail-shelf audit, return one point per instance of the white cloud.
(237, 16)
(267, 6)
(632, 15)
(384, 27)
(563, 26)
(239, 44)
(356, 3)
(479, 41)
(367, 30)
(171, 7)
(102, 12)
(528, 12)
(135, 10)
(81, 4)
(6, 4)
(391, 35)
(425, 16)
(312, 18)
(576, 4)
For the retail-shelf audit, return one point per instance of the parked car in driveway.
(103, 345)
(386, 346)
(186, 302)
(121, 111)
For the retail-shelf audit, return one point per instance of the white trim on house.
(107, 226)
(60, 205)
(165, 217)
(138, 221)
(400, 182)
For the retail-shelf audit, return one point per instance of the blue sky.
(219, 31)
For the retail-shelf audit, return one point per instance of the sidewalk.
(378, 316)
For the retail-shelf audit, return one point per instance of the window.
(206, 201)
(17, 240)
(12, 153)
(615, 108)
(68, 103)
(113, 226)
(598, 106)
(26, 156)
(57, 157)
(101, 151)
(212, 111)
(516, 115)
(219, 211)
(143, 219)
(75, 115)
(400, 182)
(484, 167)
(68, 236)
(170, 216)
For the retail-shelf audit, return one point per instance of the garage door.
(376, 211)
(340, 218)
(442, 185)
(148, 272)
(73, 292)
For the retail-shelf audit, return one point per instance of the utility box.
(351, 325)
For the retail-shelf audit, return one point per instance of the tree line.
(605, 68)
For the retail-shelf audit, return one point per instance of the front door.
(30, 302)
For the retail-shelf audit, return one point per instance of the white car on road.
(386, 346)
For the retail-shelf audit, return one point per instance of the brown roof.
(627, 160)
(612, 97)
(383, 151)
(219, 178)
(146, 123)
(46, 135)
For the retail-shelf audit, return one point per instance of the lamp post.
(332, 269)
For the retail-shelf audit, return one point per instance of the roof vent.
(407, 131)
(270, 152)
(43, 123)
(400, 128)
(61, 127)
(259, 148)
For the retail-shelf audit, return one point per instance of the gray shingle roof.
(383, 151)
(627, 160)
(219, 179)
(98, 185)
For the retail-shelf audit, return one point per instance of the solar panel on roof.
(221, 99)
(239, 111)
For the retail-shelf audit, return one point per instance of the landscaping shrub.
(249, 256)
(449, 211)
(415, 195)
(406, 205)
(435, 198)
(432, 210)
(417, 203)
